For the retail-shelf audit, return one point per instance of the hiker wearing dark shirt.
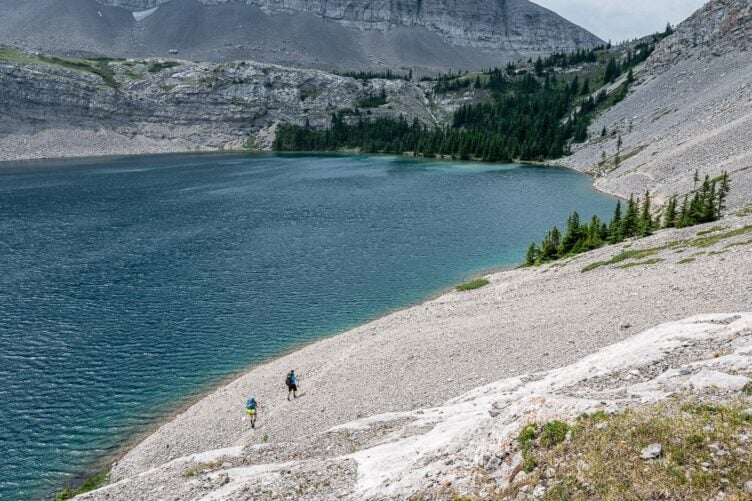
(292, 384)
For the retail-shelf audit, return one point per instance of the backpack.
(251, 403)
(288, 381)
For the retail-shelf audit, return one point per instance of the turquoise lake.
(131, 285)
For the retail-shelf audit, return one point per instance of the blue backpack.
(251, 403)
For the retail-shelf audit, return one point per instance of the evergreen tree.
(645, 224)
(629, 224)
(683, 218)
(572, 235)
(539, 66)
(585, 87)
(669, 218)
(615, 234)
(723, 192)
(612, 71)
(595, 235)
(532, 254)
(549, 250)
(710, 205)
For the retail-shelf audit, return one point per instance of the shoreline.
(440, 346)
(130, 443)
(171, 413)
(105, 464)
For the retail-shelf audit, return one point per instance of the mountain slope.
(691, 112)
(428, 35)
(54, 107)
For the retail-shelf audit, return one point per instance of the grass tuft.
(473, 284)
(746, 211)
(553, 433)
(714, 229)
(647, 262)
(91, 483)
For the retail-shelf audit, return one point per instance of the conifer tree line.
(704, 206)
(383, 75)
(529, 117)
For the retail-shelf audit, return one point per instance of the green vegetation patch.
(373, 101)
(714, 229)
(623, 256)
(156, 67)
(12, 55)
(687, 260)
(703, 450)
(98, 66)
(91, 483)
(473, 284)
(746, 211)
(553, 433)
(711, 240)
(738, 244)
(708, 240)
(647, 262)
(533, 436)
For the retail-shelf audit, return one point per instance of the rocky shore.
(359, 417)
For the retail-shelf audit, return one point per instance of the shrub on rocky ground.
(680, 449)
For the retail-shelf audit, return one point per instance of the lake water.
(130, 285)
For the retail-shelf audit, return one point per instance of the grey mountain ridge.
(427, 35)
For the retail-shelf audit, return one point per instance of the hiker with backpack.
(292, 384)
(251, 407)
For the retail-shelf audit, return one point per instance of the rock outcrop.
(720, 27)
(427, 35)
(158, 105)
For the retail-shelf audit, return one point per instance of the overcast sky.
(619, 20)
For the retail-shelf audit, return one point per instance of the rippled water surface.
(130, 285)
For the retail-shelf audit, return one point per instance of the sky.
(619, 20)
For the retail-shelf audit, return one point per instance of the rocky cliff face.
(428, 36)
(510, 24)
(150, 105)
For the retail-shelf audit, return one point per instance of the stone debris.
(652, 451)
(441, 449)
